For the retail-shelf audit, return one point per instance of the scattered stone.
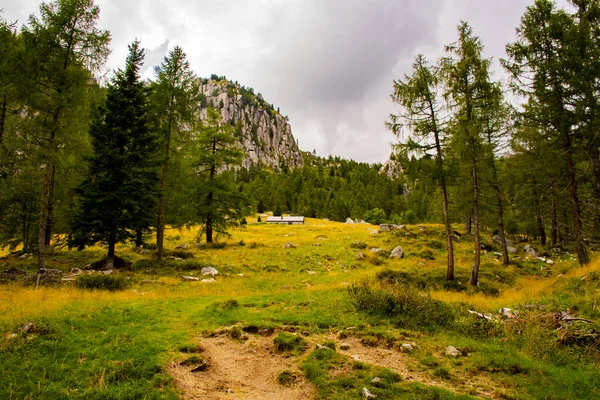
(356, 358)
(190, 278)
(26, 328)
(374, 232)
(75, 271)
(531, 251)
(360, 255)
(211, 280)
(306, 333)
(182, 246)
(203, 366)
(144, 251)
(508, 312)
(12, 336)
(376, 250)
(310, 272)
(107, 272)
(240, 274)
(367, 394)
(102, 265)
(321, 347)
(452, 351)
(386, 227)
(349, 221)
(408, 347)
(376, 380)
(549, 262)
(24, 256)
(344, 346)
(398, 252)
(316, 244)
(209, 271)
(362, 221)
(289, 245)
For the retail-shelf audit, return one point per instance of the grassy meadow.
(123, 343)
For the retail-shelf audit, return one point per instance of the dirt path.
(237, 371)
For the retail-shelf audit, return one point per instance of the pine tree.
(421, 108)
(120, 193)
(220, 203)
(174, 101)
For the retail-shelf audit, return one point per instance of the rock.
(24, 256)
(107, 272)
(511, 250)
(408, 347)
(376, 380)
(531, 251)
(209, 271)
(203, 366)
(356, 358)
(367, 394)
(75, 271)
(508, 312)
(373, 232)
(26, 328)
(289, 245)
(386, 227)
(144, 251)
(311, 272)
(549, 261)
(321, 347)
(398, 252)
(349, 221)
(344, 346)
(376, 250)
(210, 280)
(316, 244)
(452, 351)
(11, 336)
(190, 278)
(362, 221)
(360, 255)
(498, 239)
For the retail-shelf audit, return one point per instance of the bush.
(101, 282)
(403, 304)
(287, 378)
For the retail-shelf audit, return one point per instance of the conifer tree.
(174, 102)
(421, 112)
(220, 203)
(120, 193)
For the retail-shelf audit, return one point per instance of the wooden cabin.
(286, 220)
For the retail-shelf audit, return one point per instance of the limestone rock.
(398, 252)
(209, 271)
(360, 255)
(344, 346)
(210, 280)
(367, 394)
(182, 246)
(349, 221)
(452, 351)
(289, 245)
(376, 250)
(531, 251)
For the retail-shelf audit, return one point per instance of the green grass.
(117, 344)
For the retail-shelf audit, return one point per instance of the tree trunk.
(475, 272)
(468, 224)
(554, 221)
(43, 217)
(49, 224)
(595, 155)
(210, 198)
(162, 209)
(538, 214)
(110, 258)
(139, 238)
(450, 269)
(3, 109)
(582, 254)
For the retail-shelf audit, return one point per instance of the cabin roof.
(285, 219)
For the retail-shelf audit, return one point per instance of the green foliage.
(287, 378)
(287, 342)
(120, 191)
(102, 282)
(403, 304)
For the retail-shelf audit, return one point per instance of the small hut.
(286, 220)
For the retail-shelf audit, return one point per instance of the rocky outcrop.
(263, 132)
(392, 169)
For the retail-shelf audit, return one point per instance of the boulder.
(289, 245)
(408, 347)
(376, 250)
(209, 271)
(531, 251)
(368, 395)
(386, 227)
(360, 255)
(210, 280)
(190, 278)
(102, 265)
(182, 246)
(349, 221)
(398, 252)
(344, 346)
(452, 351)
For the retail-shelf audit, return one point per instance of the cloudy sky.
(328, 64)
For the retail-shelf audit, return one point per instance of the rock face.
(264, 133)
(392, 169)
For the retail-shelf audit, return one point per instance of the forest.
(84, 160)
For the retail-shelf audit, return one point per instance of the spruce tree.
(120, 193)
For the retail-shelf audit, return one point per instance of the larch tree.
(120, 193)
(541, 64)
(466, 76)
(174, 101)
(64, 48)
(219, 202)
(421, 112)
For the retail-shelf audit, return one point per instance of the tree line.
(529, 165)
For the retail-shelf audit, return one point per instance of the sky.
(329, 65)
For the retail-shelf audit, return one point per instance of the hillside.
(264, 133)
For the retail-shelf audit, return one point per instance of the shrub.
(403, 304)
(102, 282)
(287, 378)
(358, 245)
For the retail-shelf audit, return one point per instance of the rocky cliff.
(264, 133)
